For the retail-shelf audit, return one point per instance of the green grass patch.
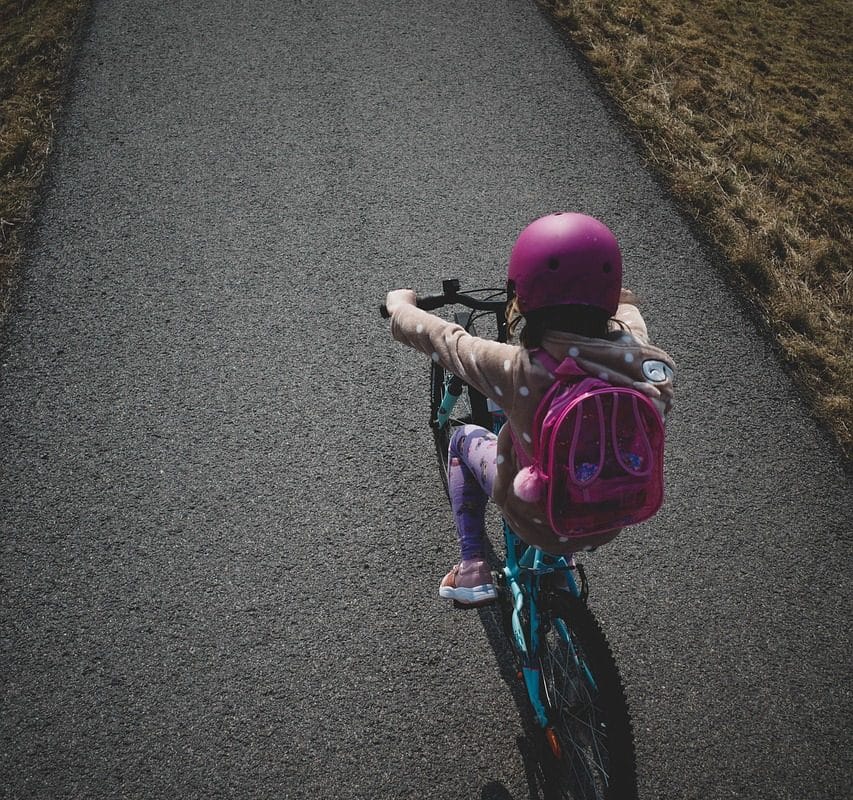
(745, 109)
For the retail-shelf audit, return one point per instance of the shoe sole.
(469, 596)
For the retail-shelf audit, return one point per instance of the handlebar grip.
(432, 301)
(427, 303)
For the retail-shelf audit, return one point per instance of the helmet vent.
(553, 263)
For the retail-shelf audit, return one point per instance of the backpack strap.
(565, 372)
(545, 358)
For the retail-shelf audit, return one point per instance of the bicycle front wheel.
(590, 745)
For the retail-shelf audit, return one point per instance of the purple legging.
(472, 466)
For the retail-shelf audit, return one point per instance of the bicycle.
(566, 664)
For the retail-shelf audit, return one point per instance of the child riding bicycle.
(564, 285)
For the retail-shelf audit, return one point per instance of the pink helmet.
(566, 259)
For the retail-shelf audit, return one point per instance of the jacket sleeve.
(481, 363)
(629, 316)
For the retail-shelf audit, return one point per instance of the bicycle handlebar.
(451, 295)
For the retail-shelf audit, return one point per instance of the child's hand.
(627, 296)
(400, 297)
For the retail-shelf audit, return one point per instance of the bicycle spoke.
(576, 719)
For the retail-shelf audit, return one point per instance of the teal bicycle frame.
(523, 574)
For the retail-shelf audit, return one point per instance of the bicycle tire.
(590, 722)
(471, 408)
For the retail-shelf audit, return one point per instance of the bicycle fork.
(451, 395)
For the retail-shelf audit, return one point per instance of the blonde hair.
(514, 317)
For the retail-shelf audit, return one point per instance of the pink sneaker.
(469, 583)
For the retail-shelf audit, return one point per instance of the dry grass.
(745, 109)
(35, 41)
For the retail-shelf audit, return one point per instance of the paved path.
(222, 530)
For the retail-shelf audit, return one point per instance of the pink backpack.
(597, 453)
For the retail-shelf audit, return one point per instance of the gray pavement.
(221, 523)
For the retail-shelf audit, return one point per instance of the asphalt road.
(222, 527)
